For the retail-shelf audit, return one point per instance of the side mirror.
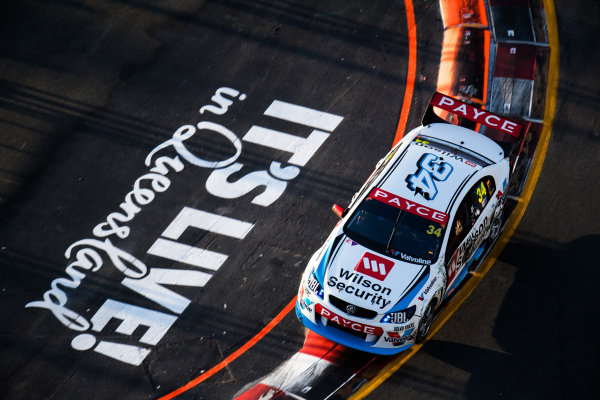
(339, 211)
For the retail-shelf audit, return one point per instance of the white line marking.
(132, 317)
(151, 286)
(123, 352)
(303, 115)
(187, 254)
(208, 222)
(302, 148)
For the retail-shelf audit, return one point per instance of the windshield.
(393, 231)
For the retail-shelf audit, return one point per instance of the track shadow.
(546, 326)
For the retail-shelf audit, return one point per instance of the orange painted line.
(235, 354)
(411, 73)
(486, 69)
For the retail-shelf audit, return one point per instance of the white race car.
(412, 233)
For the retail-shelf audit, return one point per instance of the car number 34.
(429, 171)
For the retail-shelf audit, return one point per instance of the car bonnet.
(367, 279)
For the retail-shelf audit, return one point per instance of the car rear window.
(448, 147)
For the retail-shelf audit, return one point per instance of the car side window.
(458, 229)
(479, 195)
(469, 210)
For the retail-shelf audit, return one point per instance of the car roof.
(465, 139)
(466, 151)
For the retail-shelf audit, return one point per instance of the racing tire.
(496, 227)
(425, 323)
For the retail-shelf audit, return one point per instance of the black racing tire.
(496, 227)
(425, 322)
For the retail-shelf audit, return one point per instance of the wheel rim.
(426, 322)
(495, 229)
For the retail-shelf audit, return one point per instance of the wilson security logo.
(374, 266)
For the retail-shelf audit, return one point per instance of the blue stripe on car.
(409, 297)
(320, 272)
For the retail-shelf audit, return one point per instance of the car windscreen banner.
(407, 205)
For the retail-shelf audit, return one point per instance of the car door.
(469, 229)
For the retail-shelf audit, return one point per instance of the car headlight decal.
(400, 317)
(312, 283)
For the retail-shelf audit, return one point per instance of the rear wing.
(509, 134)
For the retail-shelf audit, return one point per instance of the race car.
(410, 236)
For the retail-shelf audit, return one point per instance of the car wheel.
(425, 323)
(496, 227)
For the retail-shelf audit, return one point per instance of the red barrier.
(516, 61)
(464, 64)
(467, 13)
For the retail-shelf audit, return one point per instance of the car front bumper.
(347, 339)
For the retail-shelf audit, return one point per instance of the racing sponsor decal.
(474, 239)
(355, 284)
(426, 144)
(476, 115)
(403, 327)
(467, 249)
(374, 266)
(407, 205)
(305, 304)
(409, 258)
(427, 289)
(314, 285)
(428, 171)
(397, 339)
(400, 317)
(346, 323)
(394, 338)
(117, 320)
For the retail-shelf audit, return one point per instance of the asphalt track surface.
(90, 88)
